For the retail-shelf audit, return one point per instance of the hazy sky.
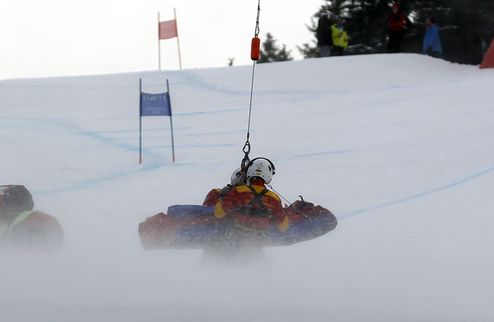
(72, 37)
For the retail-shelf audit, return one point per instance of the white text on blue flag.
(155, 104)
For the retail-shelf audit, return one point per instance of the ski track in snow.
(188, 77)
(71, 129)
(423, 194)
(405, 128)
(152, 164)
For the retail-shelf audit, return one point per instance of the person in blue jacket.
(432, 41)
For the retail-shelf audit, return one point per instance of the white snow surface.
(399, 147)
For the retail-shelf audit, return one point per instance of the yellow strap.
(218, 210)
(283, 226)
(245, 188)
(20, 218)
(273, 195)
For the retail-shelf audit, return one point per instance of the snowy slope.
(398, 146)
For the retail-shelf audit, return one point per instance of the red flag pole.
(159, 43)
(178, 39)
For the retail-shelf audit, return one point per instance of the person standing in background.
(323, 33)
(432, 41)
(340, 37)
(397, 24)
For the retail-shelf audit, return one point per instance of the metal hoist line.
(255, 54)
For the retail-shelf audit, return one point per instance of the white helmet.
(261, 168)
(237, 177)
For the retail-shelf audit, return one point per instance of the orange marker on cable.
(255, 49)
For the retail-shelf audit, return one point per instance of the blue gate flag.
(155, 104)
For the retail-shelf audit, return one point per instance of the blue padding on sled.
(302, 230)
(203, 233)
(189, 211)
(199, 234)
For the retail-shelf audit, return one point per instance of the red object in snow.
(488, 61)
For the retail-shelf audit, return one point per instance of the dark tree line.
(466, 26)
(272, 52)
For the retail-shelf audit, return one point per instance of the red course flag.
(168, 29)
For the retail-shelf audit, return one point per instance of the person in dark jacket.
(397, 25)
(323, 34)
(432, 41)
(21, 226)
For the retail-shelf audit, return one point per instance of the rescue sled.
(192, 226)
(195, 227)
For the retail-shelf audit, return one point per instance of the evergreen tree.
(309, 50)
(466, 26)
(271, 52)
(366, 23)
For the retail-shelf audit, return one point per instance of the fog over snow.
(399, 147)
